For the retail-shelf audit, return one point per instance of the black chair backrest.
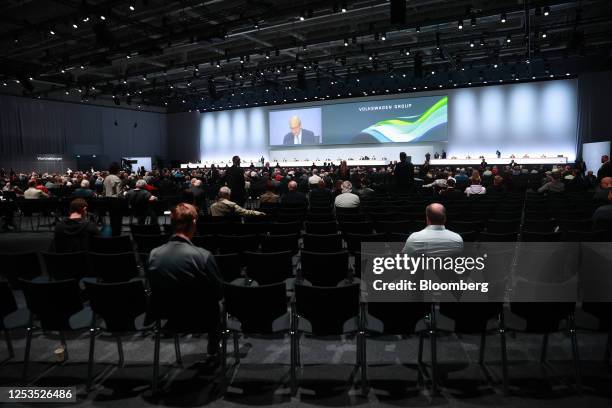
(398, 318)
(192, 308)
(256, 307)
(7, 302)
(322, 217)
(323, 242)
(324, 269)
(114, 267)
(53, 303)
(208, 242)
(284, 228)
(70, 265)
(359, 227)
(530, 236)
(148, 229)
(146, 242)
(238, 243)
(497, 237)
(329, 227)
(327, 309)
(229, 266)
(354, 241)
(111, 245)
(269, 267)
(117, 303)
(471, 317)
(279, 243)
(503, 226)
(15, 266)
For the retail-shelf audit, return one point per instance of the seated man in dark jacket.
(321, 193)
(73, 233)
(182, 268)
(293, 197)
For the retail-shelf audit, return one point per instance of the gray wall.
(29, 127)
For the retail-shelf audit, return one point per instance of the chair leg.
(608, 346)
(120, 352)
(483, 343)
(90, 363)
(157, 336)
(293, 353)
(575, 355)
(9, 344)
(236, 348)
(177, 350)
(420, 354)
(64, 345)
(434, 363)
(224, 350)
(26, 356)
(504, 356)
(544, 348)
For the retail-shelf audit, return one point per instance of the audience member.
(553, 184)
(139, 203)
(475, 187)
(181, 267)
(73, 233)
(404, 172)
(347, 199)
(33, 193)
(602, 218)
(84, 191)
(223, 207)
(270, 195)
(234, 178)
(434, 239)
(320, 192)
(606, 168)
(293, 197)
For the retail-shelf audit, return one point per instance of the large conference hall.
(302, 203)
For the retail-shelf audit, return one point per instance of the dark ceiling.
(225, 54)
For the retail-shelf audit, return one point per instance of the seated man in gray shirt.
(179, 265)
(435, 239)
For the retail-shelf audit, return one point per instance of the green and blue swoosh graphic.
(410, 128)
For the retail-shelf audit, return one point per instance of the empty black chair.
(11, 317)
(324, 269)
(57, 306)
(121, 307)
(230, 266)
(530, 236)
(19, 265)
(186, 309)
(322, 242)
(539, 225)
(268, 268)
(401, 226)
(69, 265)
(114, 267)
(213, 227)
(237, 243)
(465, 226)
(469, 236)
(359, 227)
(503, 226)
(209, 242)
(330, 311)
(284, 228)
(329, 227)
(397, 237)
(146, 229)
(354, 241)
(497, 237)
(111, 245)
(351, 217)
(255, 310)
(403, 319)
(474, 318)
(280, 243)
(320, 217)
(146, 243)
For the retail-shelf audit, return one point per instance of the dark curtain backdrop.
(594, 109)
(31, 126)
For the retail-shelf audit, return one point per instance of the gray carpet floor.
(328, 376)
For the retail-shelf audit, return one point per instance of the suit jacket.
(307, 138)
(234, 177)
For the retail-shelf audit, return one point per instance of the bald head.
(292, 186)
(295, 124)
(606, 182)
(435, 214)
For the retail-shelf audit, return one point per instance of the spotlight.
(502, 18)
(417, 29)
(51, 32)
(460, 24)
(471, 44)
(407, 52)
(343, 9)
(132, 8)
(494, 65)
(383, 36)
(346, 42)
(86, 19)
(74, 25)
(473, 21)
(546, 11)
(102, 18)
(508, 38)
(544, 34)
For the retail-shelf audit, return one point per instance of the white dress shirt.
(298, 139)
(434, 240)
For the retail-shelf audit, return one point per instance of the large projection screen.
(409, 120)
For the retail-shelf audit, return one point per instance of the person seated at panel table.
(225, 208)
(434, 239)
(298, 135)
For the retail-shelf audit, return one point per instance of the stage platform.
(501, 161)
(288, 163)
